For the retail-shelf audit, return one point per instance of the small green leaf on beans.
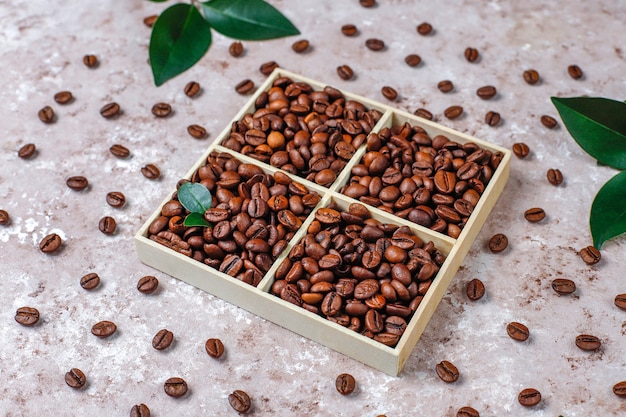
(180, 37)
(608, 211)
(247, 19)
(196, 219)
(598, 125)
(195, 197)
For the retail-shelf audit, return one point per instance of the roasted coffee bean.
(424, 28)
(498, 243)
(161, 110)
(534, 214)
(517, 331)
(453, 112)
(492, 118)
(116, 199)
(389, 93)
(588, 342)
(349, 30)
(563, 286)
(107, 225)
(50, 243)
(163, 339)
(367, 3)
(235, 49)
(46, 114)
(555, 177)
(619, 389)
(375, 44)
(75, 378)
(548, 121)
(590, 255)
(119, 151)
(467, 411)
(147, 284)
(620, 301)
(77, 182)
(447, 372)
(4, 217)
(192, 88)
(245, 87)
(104, 328)
(300, 46)
(151, 171)
(240, 401)
(63, 97)
(486, 92)
(90, 281)
(345, 384)
(90, 61)
(445, 86)
(27, 151)
(471, 54)
(268, 67)
(413, 60)
(214, 348)
(196, 131)
(575, 72)
(531, 76)
(529, 397)
(521, 150)
(27, 316)
(110, 110)
(475, 289)
(345, 72)
(150, 20)
(424, 114)
(140, 410)
(175, 387)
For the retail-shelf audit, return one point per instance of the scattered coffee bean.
(424, 28)
(349, 30)
(27, 151)
(555, 177)
(245, 87)
(453, 112)
(192, 88)
(471, 54)
(90, 281)
(445, 86)
(116, 199)
(529, 397)
(619, 389)
(548, 121)
(27, 316)
(268, 67)
(240, 401)
(107, 225)
(75, 378)
(110, 110)
(104, 328)
(475, 289)
(620, 301)
(424, 114)
(214, 348)
(486, 92)
(534, 214)
(119, 151)
(77, 182)
(163, 339)
(161, 110)
(175, 387)
(521, 150)
(63, 97)
(46, 115)
(517, 331)
(389, 93)
(367, 3)
(345, 72)
(150, 20)
(151, 172)
(413, 60)
(196, 131)
(563, 286)
(300, 46)
(467, 411)
(588, 342)
(531, 76)
(140, 410)
(90, 61)
(498, 243)
(50, 243)
(235, 49)
(4, 217)
(345, 384)
(575, 72)
(492, 118)
(590, 255)
(375, 44)
(447, 372)
(147, 284)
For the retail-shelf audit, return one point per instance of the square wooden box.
(260, 301)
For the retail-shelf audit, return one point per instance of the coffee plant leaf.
(195, 219)
(195, 197)
(608, 211)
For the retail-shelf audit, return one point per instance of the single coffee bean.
(424, 114)
(161, 110)
(140, 410)
(367, 3)
(175, 387)
(555, 177)
(389, 93)
(163, 339)
(245, 87)
(453, 112)
(471, 54)
(107, 225)
(50, 243)
(492, 118)
(563, 286)
(531, 76)
(75, 378)
(445, 86)
(588, 342)
(590, 255)
(575, 72)
(46, 114)
(90, 61)
(151, 172)
(475, 289)
(345, 384)
(300, 46)
(240, 401)
(375, 44)
(498, 243)
(268, 67)
(413, 60)
(486, 92)
(77, 183)
(235, 49)
(534, 214)
(467, 411)
(517, 331)
(63, 97)
(90, 281)
(214, 348)
(548, 121)
(116, 199)
(27, 151)
(447, 372)
(196, 131)
(4, 217)
(521, 150)
(192, 88)
(529, 397)
(104, 328)
(27, 316)
(424, 28)
(147, 284)
(150, 20)
(349, 30)
(110, 110)
(619, 389)
(119, 151)
(345, 72)
(620, 301)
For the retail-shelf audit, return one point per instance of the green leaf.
(195, 197)
(608, 211)
(196, 219)
(250, 20)
(180, 37)
(598, 125)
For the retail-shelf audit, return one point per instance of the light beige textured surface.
(42, 48)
